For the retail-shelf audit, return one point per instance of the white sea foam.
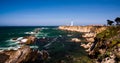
(33, 46)
(44, 28)
(10, 48)
(10, 43)
(41, 34)
(18, 42)
(20, 38)
(30, 33)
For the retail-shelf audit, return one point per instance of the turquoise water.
(7, 33)
(58, 45)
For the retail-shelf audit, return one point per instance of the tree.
(117, 20)
(109, 22)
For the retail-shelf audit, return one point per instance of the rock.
(89, 39)
(18, 56)
(112, 55)
(75, 40)
(102, 51)
(108, 60)
(89, 35)
(86, 45)
(89, 32)
(23, 54)
(3, 57)
(96, 29)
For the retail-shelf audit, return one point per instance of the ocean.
(9, 32)
(58, 43)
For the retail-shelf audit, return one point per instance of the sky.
(57, 12)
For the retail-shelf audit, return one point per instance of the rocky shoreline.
(23, 55)
(94, 40)
(88, 32)
(102, 42)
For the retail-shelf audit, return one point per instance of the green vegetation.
(109, 42)
(110, 32)
(117, 20)
(110, 22)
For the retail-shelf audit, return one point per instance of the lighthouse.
(71, 24)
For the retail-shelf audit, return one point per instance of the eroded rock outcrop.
(16, 56)
(23, 55)
(88, 32)
(95, 29)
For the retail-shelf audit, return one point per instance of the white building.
(71, 24)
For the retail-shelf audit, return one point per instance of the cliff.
(88, 32)
(106, 47)
(95, 29)
(23, 55)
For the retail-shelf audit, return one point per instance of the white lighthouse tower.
(71, 24)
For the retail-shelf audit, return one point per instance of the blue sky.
(57, 12)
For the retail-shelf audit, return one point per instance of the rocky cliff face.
(106, 47)
(95, 29)
(23, 55)
(89, 32)
(16, 56)
(19, 55)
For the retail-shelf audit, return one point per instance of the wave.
(34, 46)
(10, 48)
